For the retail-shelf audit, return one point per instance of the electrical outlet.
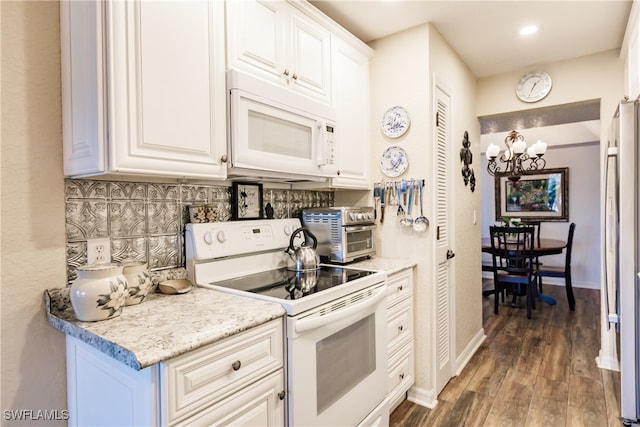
(98, 250)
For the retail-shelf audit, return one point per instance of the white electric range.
(336, 322)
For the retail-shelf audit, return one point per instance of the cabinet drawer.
(400, 325)
(201, 377)
(401, 374)
(399, 286)
(260, 404)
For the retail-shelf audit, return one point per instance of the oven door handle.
(352, 228)
(317, 322)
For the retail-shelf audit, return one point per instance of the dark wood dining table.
(541, 247)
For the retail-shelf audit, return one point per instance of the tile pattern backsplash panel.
(145, 221)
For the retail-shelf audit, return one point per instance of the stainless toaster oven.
(344, 234)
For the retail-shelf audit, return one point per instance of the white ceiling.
(485, 33)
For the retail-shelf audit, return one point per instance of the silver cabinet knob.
(236, 365)
(295, 76)
(281, 395)
(286, 72)
(223, 159)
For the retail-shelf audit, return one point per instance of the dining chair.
(513, 264)
(562, 271)
(537, 228)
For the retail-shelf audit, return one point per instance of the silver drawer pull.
(402, 376)
(281, 395)
(400, 288)
(236, 365)
(400, 328)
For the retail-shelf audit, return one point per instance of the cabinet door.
(256, 38)
(309, 62)
(350, 85)
(274, 41)
(104, 391)
(260, 404)
(167, 99)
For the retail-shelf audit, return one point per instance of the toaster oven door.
(358, 241)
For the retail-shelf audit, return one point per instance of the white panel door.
(443, 292)
(167, 110)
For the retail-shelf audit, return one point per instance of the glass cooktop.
(290, 285)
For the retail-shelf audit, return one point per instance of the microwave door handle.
(322, 135)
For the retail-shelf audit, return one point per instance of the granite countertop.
(165, 326)
(162, 326)
(389, 265)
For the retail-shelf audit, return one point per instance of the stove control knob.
(288, 229)
(208, 238)
(353, 216)
(221, 237)
(360, 216)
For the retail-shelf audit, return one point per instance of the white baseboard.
(422, 397)
(470, 350)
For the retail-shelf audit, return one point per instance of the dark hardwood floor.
(537, 372)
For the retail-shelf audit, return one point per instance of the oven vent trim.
(342, 303)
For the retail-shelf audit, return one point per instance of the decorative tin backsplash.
(145, 221)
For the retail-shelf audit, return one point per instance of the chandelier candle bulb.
(540, 148)
(493, 150)
(519, 146)
(532, 152)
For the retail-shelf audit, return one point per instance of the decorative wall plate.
(394, 161)
(395, 122)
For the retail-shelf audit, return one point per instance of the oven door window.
(359, 241)
(343, 360)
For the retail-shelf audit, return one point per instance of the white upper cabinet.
(275, 41)
(144, 88)
(351, 102)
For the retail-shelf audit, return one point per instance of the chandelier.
(517, 158)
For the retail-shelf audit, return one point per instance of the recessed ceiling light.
(525, 31)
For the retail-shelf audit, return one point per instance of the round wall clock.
(533, 86)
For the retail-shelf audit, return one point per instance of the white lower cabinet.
(237, 381)
(400, 335)
(257, 405)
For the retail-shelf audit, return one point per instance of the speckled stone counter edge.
(163, 326)
(388, 265)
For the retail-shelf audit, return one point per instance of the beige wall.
(33, 243)
(599, 76)
(454, 74)
(401, 74)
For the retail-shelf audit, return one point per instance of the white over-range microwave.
(275, 132)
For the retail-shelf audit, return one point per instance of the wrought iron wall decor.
(466, 157)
